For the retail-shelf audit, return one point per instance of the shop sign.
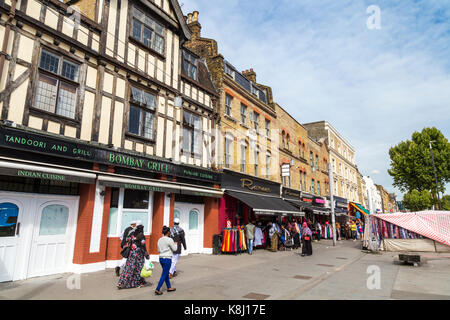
(17, 139)
(239, 182)
(290, 194)
(319, 201)
(307, 199)
(35, 174)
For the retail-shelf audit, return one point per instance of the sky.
(325, 61)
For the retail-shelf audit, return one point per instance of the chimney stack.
(194, 25)
(250, 75)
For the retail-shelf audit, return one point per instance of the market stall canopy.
(360, 208)
(431, 224)
(265, 204)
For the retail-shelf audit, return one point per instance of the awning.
(360, 208)
(18, 169)
(157, 186)
(265, 205)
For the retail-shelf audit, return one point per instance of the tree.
(446, 203)
(412, 166)
(417, 200)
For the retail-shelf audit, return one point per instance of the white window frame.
(121, 210)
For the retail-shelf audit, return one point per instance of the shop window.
(127, 206)
(9, 213)
(142, 113)
(193, 220)
(147, 31)
(192, 133)
(57, 84)
(54, 220)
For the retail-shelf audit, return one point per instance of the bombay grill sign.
(48, 145)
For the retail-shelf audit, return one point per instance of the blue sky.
(376, 87)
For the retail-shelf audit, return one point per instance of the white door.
(11, 212)
(53, 234)
(191, 220)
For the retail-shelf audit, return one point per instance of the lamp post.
(435, 175)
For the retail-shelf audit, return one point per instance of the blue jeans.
(250, 245)
(165, 264)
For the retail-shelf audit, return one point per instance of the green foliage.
(411, 162)
(418, 200)
(445, 201)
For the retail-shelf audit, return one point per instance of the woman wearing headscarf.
(306, 240)
(131, 274)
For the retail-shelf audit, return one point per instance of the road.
(341, 272)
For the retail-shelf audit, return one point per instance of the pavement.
(343, 272)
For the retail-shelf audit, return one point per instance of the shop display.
(234, 240)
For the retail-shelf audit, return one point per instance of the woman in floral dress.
(131, 274)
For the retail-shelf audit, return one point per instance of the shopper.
(178, 236)
(319, 230)
(131, 274)
(250, 235)
(295, 235)
(306, 240)
(123, 245)
(338, 231)
(273, 237)
(353, 229)
(166, 247)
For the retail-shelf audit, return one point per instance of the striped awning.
(434, 225)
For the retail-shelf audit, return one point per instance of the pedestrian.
(295, 235)
(319, 230)
(178, 236)
(123, 245)
(338, 231)
(273, 237)
(250, 235)
(166, 247)
(353, 229)
(306, 240)
(131, 274)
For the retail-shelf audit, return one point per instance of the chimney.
(194, 25)
(250, 75)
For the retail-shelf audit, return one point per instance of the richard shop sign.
(18, 139)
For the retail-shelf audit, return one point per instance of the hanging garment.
(259, 237)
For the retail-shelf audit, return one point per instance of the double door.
(37, 234)
(191, 220)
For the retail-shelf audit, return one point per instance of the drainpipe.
(11, 14)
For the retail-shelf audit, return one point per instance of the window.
(287, 141)
(147, 31)
(229, 70)
(254, 89)
(192, 133)
(228, 102)
(9, 213)
(318, 188)
(301, 181)
(317, 162)
(313, 187)
(243, 113)
(283, 143)
(267, 165)
(303, 151)
(267, 126)
(255, 120)
(243, 157)
(228, 144)
(54, 220)
(142, 118)
(193, 220)
(256, 162)
(311, 161)
(57, 85)
(299, 149)
(127, 206)
(190, 65)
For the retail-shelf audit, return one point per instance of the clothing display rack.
(234, 240)
(327, 231)
(385, 230)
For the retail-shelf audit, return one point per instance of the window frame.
(143, 109)
(244, 109)
(187, 59)
(163, 35)
(229, 107)
(191, 128)
(60, 79)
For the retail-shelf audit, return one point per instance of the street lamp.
(435, 175)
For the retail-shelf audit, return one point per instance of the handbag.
(307, 238)
(125, 252)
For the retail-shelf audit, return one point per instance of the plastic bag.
(146, 273)
(148, 265)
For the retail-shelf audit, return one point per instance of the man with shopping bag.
(177, 234)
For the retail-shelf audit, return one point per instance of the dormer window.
(190, 65)
(229, 71)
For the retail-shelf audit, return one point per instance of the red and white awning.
(431, 224)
